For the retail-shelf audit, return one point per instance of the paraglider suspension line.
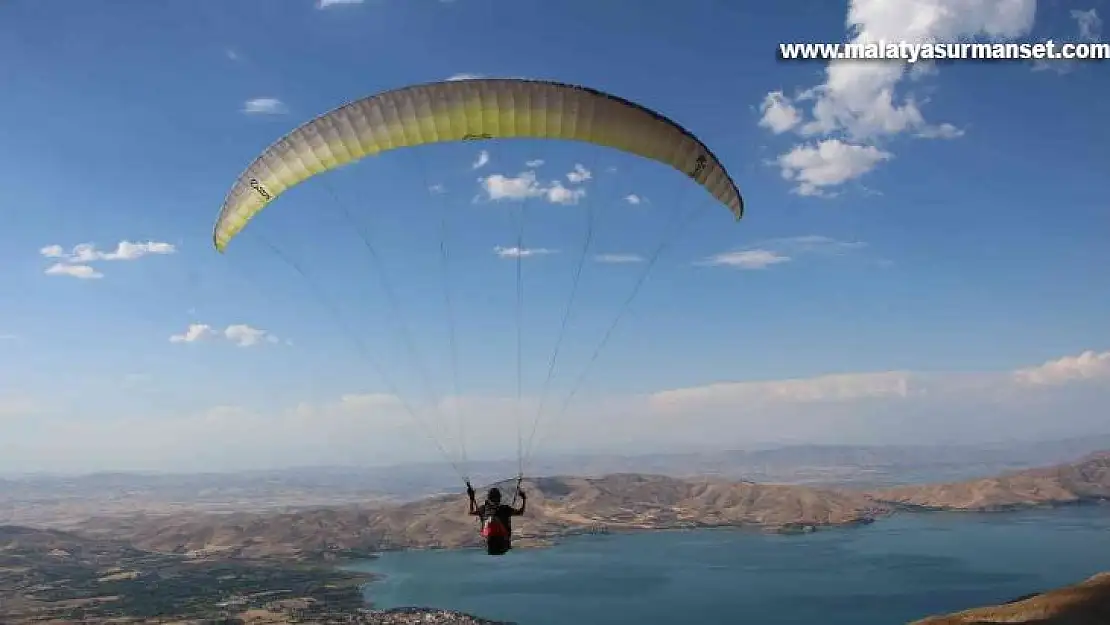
(544, 393)
(391, 295)
(391, 386)
(519, 340)
(670, 234)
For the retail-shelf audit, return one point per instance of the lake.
(896, 570)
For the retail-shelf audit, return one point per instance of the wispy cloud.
(534, 163)
(233, 55)
(437, 189)
(325, 4)
(240, 334)
(814, 244)
(75, 262)
(881, 406)
(516, 252)
(782, 250)
(1089, 25)
(265, 106)
(125, 250)
(83, 272)
(619, 258)
(481, 161)
(778, 114)
(579, 174)
(747, 259)
(942, 131)
(633, 199)
(195, 332)
(464, 76)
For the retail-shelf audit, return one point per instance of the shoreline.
(559, 540)
(420, 593)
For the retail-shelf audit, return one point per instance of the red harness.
(492, 528)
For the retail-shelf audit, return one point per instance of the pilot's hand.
(522, 494)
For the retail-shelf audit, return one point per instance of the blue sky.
(921, 258)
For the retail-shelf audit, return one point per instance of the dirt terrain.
(556, 507)
(1085, 603)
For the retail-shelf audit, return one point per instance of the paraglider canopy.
(467, 110)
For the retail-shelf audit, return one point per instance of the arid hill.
(556, 507)
(1086, 603)
(1087, 480)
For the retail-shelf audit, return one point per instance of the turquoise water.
(894, 571)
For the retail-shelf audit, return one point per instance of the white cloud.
(465, 76)
(525, 185)
(482, 160)
(825, 388)
(558, 194)
(859, 96)
(9, 337)
(865, 407)
(522, 187)
(747, 259)
(195, 332)
(240, 334)
(324, 4)
(264, 106)
(516, 252)
(83, 272)
(633, 199)
(579, 174)
(53, 251)
(75, 262)
(125, 250)
(619, 258)
(829, 163)
(813, 244)
(782, 250)
(233, 55)
(1086, 366)
(246, 336)
(1090, 24)
(861, 101)
(779, 115)
(943, 131)
(436, 189)
(534, 163)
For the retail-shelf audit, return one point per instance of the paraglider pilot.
(496, 517)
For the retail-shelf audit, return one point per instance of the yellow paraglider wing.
(468, 110)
